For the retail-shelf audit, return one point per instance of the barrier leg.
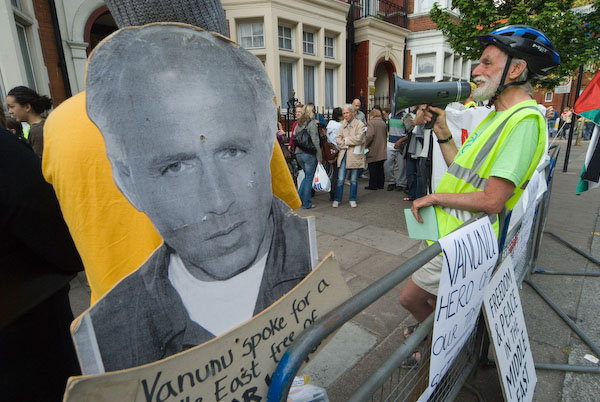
(566, 318)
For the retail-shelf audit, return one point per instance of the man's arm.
(356, 136)
(491, 200)
(400, 142)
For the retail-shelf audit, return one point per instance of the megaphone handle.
(432, 121)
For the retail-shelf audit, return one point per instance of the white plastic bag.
(321, 181)
(307, 393)
(303, 391)
(300, 178)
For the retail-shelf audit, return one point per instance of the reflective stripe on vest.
(470, 170)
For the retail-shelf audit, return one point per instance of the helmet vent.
(529, 35)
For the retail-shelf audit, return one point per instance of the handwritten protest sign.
(518, 246)
(469, 255)
(506, 326)
(233, 367)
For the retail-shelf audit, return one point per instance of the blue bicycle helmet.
(527, 43)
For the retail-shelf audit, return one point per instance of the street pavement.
(371, 240)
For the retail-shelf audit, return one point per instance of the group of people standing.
(349, 143)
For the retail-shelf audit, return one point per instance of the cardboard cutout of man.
(231, 248)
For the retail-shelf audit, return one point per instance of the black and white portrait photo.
(188, 120)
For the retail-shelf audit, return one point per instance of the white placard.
(469, 255)
(461, 123)
(506, 326)
(564, 88)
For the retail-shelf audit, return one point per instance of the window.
(24, 45)
(308, 42)
(285, 38)
(447, 64)
(309, 84)
(457, 66)
(425, 5)
(466, 72)
(286, 76)
(329, 88)
(426, 64)
(2, 90)
(329, 47)
(548, 97)
(251, 36)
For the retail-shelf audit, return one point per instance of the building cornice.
(371, 27)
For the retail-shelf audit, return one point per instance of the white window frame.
(306, 43)
(252, 35)
(27, 60)
(2, 92)
(281, 37)
(315, 75)
(331, 48)
(423, 56)
(441, 3)
(294, 83)
(548, 96)
(334, 87)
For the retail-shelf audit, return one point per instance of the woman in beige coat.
(377, 145)
(351, 142)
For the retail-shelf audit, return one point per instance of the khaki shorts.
(428, 276)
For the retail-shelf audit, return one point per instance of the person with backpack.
(308, 152)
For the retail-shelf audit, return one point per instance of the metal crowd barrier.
(389, 382)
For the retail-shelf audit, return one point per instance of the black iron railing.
(392, 11)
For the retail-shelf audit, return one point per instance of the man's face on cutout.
(203, 180)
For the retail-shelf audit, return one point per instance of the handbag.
(303, 141)
(329, 152)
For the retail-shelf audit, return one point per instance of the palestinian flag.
(588, 106)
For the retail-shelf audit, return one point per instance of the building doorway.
(383, 83)
(99, 26)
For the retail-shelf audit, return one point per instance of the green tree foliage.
(576, 36)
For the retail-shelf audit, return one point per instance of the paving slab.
(336, 226)
(384, 315)
(348, 253)
(344, 350)
(381, 239)
(378, 265)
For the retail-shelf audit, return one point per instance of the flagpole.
(573, 119)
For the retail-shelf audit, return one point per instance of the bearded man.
(491, 169)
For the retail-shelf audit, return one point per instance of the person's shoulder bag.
(303, 141)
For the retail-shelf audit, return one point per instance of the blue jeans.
(308, 163)
(414, 181)
(339, 188)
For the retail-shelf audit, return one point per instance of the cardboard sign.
(506, 326)
(470, 255)
(233, 367)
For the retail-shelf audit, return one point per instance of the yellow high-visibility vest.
(470, 170)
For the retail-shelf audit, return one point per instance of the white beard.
(485, 92)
